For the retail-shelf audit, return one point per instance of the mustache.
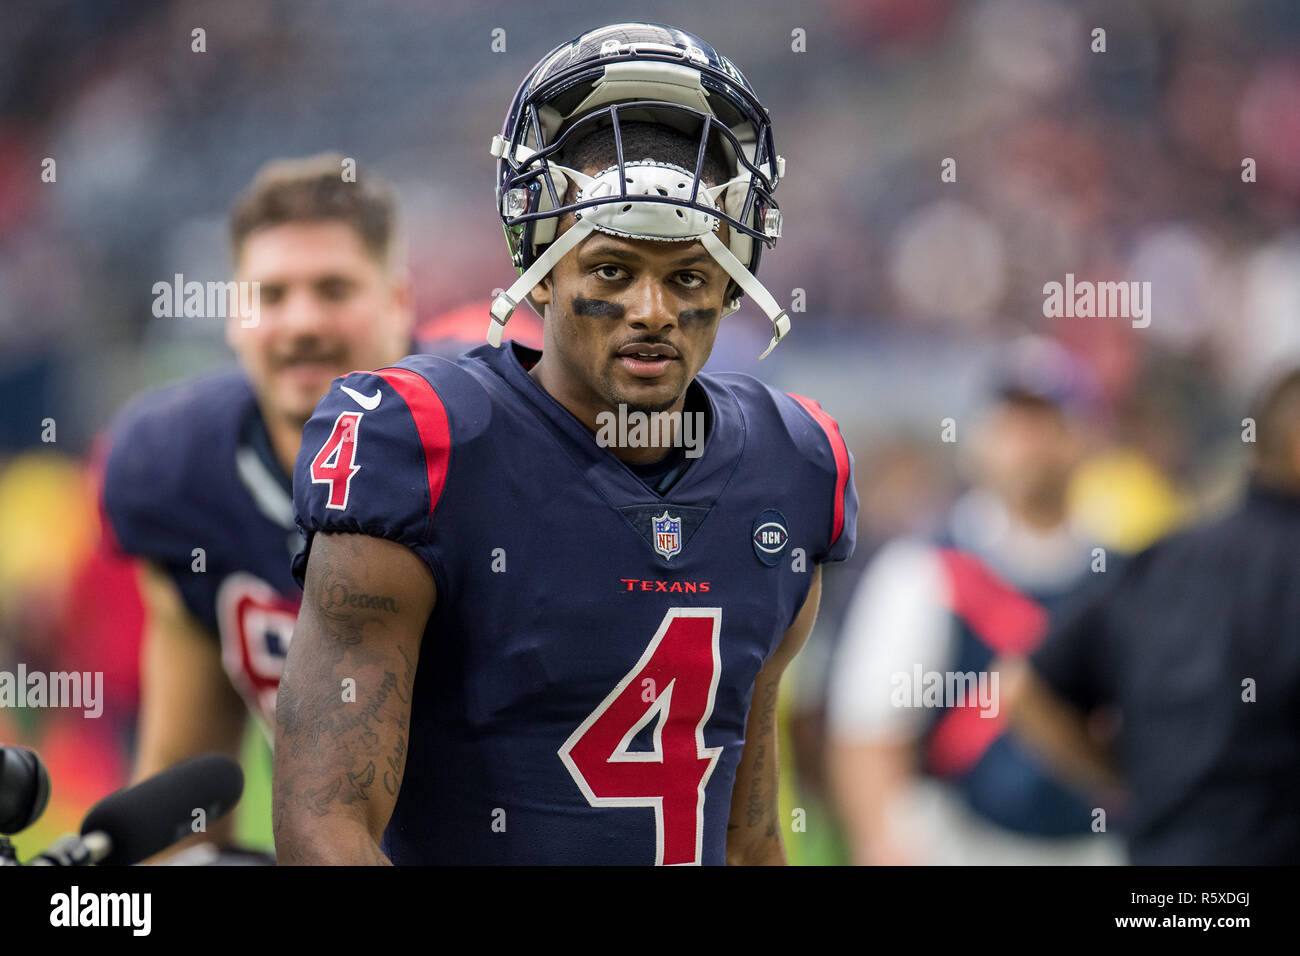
(309, 352)
(656, 344)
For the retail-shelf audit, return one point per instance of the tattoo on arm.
(315, 721)
(340, 599)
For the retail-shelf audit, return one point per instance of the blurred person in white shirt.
(920, 763)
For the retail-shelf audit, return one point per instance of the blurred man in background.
(905, 491)
(1196, 646)
(919, 760)
(197, 482)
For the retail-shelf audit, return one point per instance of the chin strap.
(504, 304)
(745, 279)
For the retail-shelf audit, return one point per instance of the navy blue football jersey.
(584, 681)
(191, 485)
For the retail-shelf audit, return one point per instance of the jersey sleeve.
(374, 459)
(823, 445)
(143, 500)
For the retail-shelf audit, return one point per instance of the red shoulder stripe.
(1006, 620)
(430, 421)
(961, 738)
(841, 453)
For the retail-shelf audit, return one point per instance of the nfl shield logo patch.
(668, 534)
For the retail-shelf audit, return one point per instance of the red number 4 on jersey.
(674, 684)
(333, 464)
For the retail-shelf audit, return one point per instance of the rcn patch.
(770, 536)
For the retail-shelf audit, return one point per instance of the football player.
(524, 637)
(197, 478)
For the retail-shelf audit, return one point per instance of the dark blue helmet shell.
(561, 100)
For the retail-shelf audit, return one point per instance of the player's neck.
(286, 438)
(594, 414)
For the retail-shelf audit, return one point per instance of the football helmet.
(638, 72)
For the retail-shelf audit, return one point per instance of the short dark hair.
(313, 189)
(642, 140)
(1277, 427)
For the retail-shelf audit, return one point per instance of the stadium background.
(1123, 165)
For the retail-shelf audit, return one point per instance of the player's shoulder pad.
(814, 437)
(163, 455)
(380, 447)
